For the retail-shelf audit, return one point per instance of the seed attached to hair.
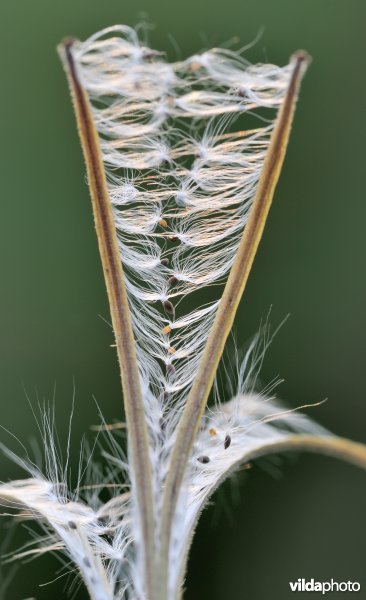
(168, 307)
(212, 431)
(72, 525)
(227, 441)
(180, 199)
(194, 66)
(162, 423)
(171, 350)
(242, 93)
(149, 54)
(170, 370)
(164, 262)
(203, 459)
(172, 238)
(167, 329)
(163, 223)
(173, 280)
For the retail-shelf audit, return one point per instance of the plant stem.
(120, 313)
(234, 288)
(335, 447)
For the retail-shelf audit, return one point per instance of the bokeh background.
(295, 517)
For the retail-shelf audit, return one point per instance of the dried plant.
(180, 194)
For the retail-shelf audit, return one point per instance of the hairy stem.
(120, 313)
(335, 447)
(234, 288)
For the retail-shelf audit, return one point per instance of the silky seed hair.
(182, 169)
(181, 178)
(183, 146)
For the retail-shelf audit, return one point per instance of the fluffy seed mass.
(183, 145)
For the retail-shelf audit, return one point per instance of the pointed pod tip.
(301, 57)
(64, 47)
(67, 42)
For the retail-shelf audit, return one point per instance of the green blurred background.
(305, 518)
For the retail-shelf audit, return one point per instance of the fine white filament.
(183, 145)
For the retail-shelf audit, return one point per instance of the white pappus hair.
(183, 146)
(181, 181)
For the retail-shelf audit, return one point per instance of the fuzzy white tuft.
(182, 168)
(95, 535)
(181, 180)
(182, 176)
(230, 434)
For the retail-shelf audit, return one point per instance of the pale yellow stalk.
(120, 313)
(234, 288)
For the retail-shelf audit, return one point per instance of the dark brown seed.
(168, 307)
(164, 397)
(150, 54)
(203, 459)
(173, 280)
(164, 262)
(227, 441)
(162, 423)
(72, 525)
(170, 370)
